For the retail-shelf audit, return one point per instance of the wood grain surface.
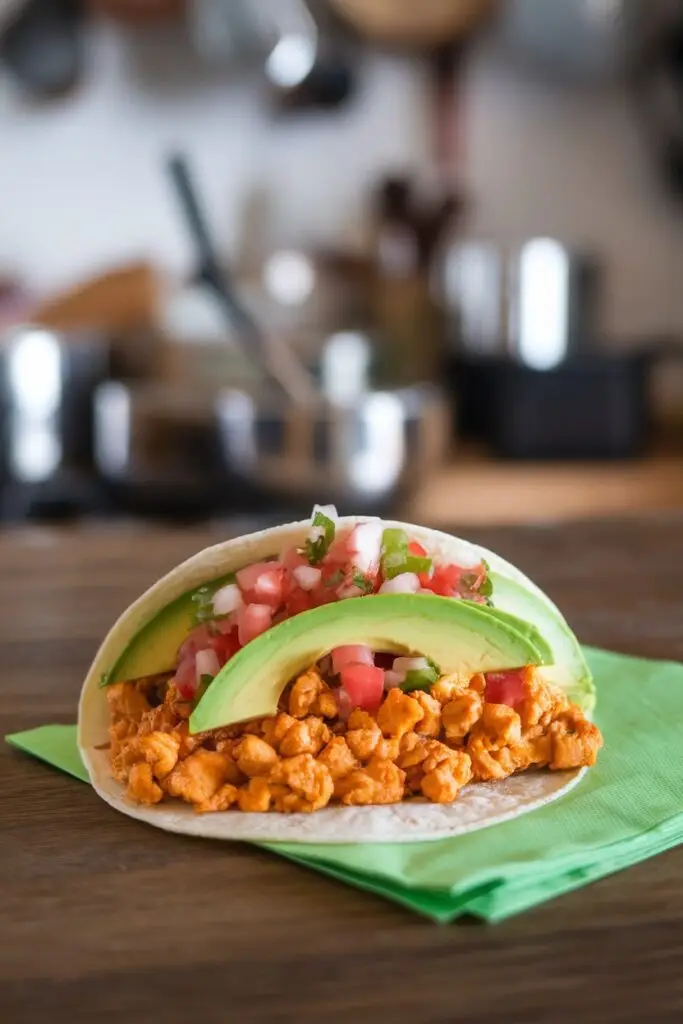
(102, 918)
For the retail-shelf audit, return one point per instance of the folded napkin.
(628, 808)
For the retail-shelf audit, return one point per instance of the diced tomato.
(246, 578)
(323, 595)
(197, 640)
(263, 580)
(270, 589)
(351, 654)
(254, 620)
(364, 684)
(416, 549)
(505, 687)
(225, 645)
(337, 556)
(298, 600)
(226, 625)
(444, 581)
(334, 574)
(185, 678)
(292, 559)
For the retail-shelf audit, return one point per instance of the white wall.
(81, 180)
(574, 163)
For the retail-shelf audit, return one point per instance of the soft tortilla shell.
(479, 805)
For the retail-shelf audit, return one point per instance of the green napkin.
(629, 807)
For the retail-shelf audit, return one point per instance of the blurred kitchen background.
(420, 258)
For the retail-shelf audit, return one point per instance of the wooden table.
(102, 918)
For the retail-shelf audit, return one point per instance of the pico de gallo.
(370, 559)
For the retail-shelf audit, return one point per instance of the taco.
(338, 680)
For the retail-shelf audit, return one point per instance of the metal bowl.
(242, 449)
(373, 450)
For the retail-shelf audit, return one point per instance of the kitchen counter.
(474, 490)
(104, 918)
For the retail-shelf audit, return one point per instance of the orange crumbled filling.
(419, 744)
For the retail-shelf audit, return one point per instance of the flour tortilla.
(480, 805)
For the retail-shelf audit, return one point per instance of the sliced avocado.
(155, 647)
(530, 631)
(456, 635)
(567, 666)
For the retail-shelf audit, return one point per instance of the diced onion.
(291, 558)
(330, 511)
(318, 532)
(406, 665)
(344, 703)
(393, 679)
(307, 576)
(364, 546)
(405, 583)
(227, 600)
(206, 664)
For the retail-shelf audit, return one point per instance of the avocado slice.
(155, 647)
(456, 635)
(567, 666)
(528, 630)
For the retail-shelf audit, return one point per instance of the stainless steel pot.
(536, 304)
(240, 449)
(47, 383)
(373, 450)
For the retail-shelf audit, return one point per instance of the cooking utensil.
(536, 306)
(230, 32)
(552, 303)
(158, 445)
(132, 12)
(41, 46)
(277, 364)
(413, 25)
(157, 452)
(593, 406)
(303, 65)
(47, 384)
